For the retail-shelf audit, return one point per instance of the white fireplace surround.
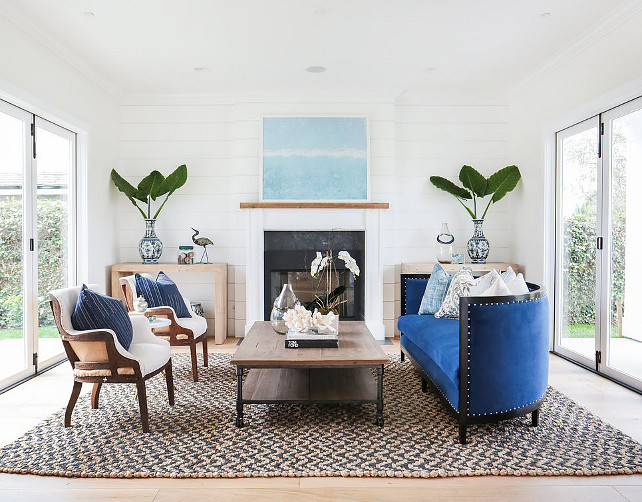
(260, 220)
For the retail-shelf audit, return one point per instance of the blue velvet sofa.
(491, 364)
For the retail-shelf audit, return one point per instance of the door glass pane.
(625, 340)
(54, 166)
(12, 336)
(579, 223)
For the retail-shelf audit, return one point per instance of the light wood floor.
(28, 404)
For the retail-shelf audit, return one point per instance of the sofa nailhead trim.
(468, 360)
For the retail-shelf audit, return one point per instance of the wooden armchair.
(97, 357)
(184, 331)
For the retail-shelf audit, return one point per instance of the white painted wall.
(35, 78)
(220, 142)
(436, 136)
(602, 75)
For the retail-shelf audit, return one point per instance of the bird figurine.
(202, 241)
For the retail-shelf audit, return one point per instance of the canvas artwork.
(315, 158)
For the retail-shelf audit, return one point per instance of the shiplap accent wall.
(220, 142)
(436, 136)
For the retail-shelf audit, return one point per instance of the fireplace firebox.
(287, 259)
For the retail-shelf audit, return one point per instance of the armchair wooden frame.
(116, 368)
(177, 335)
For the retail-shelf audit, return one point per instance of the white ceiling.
(374, 47)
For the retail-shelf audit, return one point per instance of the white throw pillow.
(518, 285)
(484, 282)
(498, 288)
(460, 285)
(509, 275)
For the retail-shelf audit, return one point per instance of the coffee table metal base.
(309, 385)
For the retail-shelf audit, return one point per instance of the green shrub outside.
(580, 265)
(52, 248)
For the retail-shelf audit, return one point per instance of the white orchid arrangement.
(322, 268)
(300, 319)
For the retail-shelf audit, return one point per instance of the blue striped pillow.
(161, 293)
(96, 311)
(150, 290)
(171, 296)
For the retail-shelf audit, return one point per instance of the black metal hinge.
(31, 245)
(598, 359)
(33, 137)
(35, 359)
(599, 140)
(600, 243)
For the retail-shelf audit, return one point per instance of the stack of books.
(310, 339)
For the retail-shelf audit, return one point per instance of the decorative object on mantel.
(476, 185)
(315, 158)
(445, 245)
(204, 242)
(151, 187)
(342, 441)
(284, 302)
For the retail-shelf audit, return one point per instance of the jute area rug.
(197, 437)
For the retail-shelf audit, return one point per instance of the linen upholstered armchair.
(183, 331)
(98, 357)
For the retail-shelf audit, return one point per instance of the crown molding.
(59, 50)
(586, 39)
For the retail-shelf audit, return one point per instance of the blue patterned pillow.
(149, 289)
(171, 296)
(435, 290)
(161, 293)
(96, 311)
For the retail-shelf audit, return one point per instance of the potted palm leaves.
(152, 188)
(476, 186)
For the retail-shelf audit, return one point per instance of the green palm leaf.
(473, 180)
(502, 182)
(450, 187)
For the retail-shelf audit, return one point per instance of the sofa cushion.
(484, 282)
(435, 290)
(445, 386)
(437, 338)
(509, 275)
(497, 288)
(518, 285)
(460, 285)
(96, 311)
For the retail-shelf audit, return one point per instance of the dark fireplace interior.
(287, 258)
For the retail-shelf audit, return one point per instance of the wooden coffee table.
(278, 375)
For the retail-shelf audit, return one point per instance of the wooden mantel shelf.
(315, 205)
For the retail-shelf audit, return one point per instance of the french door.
(37, 249)
(599, 243)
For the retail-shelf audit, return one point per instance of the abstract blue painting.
(315, 158)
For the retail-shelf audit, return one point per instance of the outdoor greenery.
(51, 258)
(579, 262)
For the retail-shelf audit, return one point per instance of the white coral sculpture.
(298, 319)
(323, 323)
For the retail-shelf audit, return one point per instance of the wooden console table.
(220, 285)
